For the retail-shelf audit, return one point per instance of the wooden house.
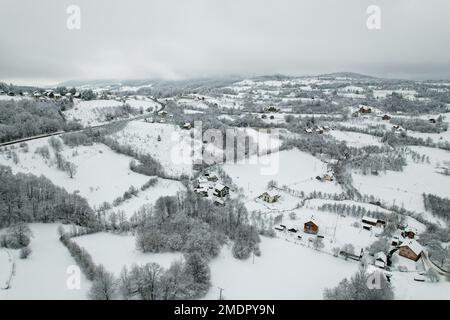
(311, 227)
(386, 117)
(411, 250)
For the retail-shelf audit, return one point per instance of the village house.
(397, 240)
(2, 92)
(219, 202)
(409, 233)
(380, 260)
(270, 196)
(202, 191)
(307, 130)
(311, 227)
(411, 250)
(432, 120)
(271, 109)
(365, 109)
(221, 190)
(325, 177)
(186, 126)
(211, 177)
(386, 117)
(11, 93)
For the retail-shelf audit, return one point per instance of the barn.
(311, 227)
(411, 250)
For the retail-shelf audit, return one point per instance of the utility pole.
(220, 293)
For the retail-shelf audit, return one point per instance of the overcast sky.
(179, 39)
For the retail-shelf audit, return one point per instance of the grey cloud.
(173, 39)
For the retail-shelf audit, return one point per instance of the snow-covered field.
(94, 112)
(355, 139)
(163, 188)
(46, 272)
(102, 174)
(405, 188)
(285, 270)
(174, 151)
(293, 168)
(117, 251)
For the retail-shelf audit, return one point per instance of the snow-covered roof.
(411, 229)
(220, 186)
(202, 180)
(272, 193)
(381, 256)
(369, 219)
(414, 246)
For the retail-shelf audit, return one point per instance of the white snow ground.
(116, 251)
(44, 274)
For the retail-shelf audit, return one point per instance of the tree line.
(27, 198)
